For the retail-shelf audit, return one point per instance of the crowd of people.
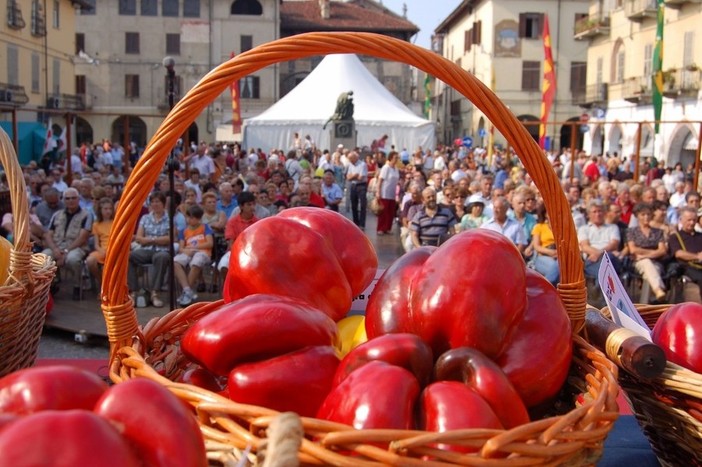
(650, 227)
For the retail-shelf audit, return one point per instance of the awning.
(691, 144)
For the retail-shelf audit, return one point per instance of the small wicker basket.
(24, 295)
(575, 438)
(668, 407)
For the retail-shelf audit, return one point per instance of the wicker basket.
(669, 407)
(24, 295)
(574, 438)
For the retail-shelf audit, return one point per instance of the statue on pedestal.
(344, 108)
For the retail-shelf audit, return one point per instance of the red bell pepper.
(678, 332)
(314, 255)
(297, 382)
(255, 328)
(455, 299)
(483, 375)
(450, 405)
(388, 307)
(353, 249)
(65, 438)
(376, 395)
(404, 350)
(6, 419)
(540, 349)
(55, 387)
(155, 422)
(460, 300)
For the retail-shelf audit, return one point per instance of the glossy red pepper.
(450, 405)
(255, 328)
(456, 297)
(405, 350)
(156, 423)
(388, 307)
(65, 438)
(471, 292)
(541, 347)
(678, 332)
(6, 419)
(297, 382)
(483, 375)
(55, 387)
(354, 250)
(376, 395)
(311, 254)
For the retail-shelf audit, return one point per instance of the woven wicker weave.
(573, 438)
(23, 297)
(669, 407)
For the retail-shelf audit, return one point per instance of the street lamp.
(173, 164)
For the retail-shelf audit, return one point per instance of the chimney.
(324, 8)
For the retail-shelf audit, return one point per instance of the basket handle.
(119, 312)
(21, 255)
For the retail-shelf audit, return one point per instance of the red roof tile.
(353, 15)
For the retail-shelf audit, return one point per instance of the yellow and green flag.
(657, 77)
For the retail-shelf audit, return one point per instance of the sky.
(426, 14)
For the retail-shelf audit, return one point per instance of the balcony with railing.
(12, 95)
(591, 26)
(637, 90)
(679, 3)
(66, 101)
(14, 15)
(38, 20)
(593, 95)
(684, 82)
(639, 10)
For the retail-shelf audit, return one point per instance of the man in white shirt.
(508, 227)
(596, 238)
(58, 183)
(357, 182)
(202, 162)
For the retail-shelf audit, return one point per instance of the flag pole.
(657, 76)
(491, 135)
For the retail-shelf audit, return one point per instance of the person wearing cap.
(474, 216)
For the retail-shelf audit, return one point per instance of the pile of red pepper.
(461, 336)
(64, 416)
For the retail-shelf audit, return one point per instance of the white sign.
(623, 311)
(358, 306)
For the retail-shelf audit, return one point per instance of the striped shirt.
(432, 230)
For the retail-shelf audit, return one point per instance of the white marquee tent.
(309, 105)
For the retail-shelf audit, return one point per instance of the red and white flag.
(62, 143)
(49, 141)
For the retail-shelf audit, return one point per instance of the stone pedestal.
(343, 132)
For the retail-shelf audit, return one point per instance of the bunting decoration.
(548, 85)
(236, 110)
(657, 77)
